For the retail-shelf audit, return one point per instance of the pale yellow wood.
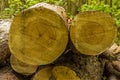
(38, 36)
(43, 74)
(21, 67)
(64, 73)
(92, 32)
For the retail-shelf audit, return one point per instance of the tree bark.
(111, 3)
(3, 4)
(43, 74)
(4, 49)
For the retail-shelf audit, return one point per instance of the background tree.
(3, 4)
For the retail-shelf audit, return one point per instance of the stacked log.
(93, 32)
(43, 74)
(39, 36)
(55, 73)
(21, 67)
(64, 73)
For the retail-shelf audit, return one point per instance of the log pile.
(44, 46)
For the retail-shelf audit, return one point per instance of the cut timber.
(22, 68)
(92, 32)
(38, 35)
(43, 74)
(4, 50)
(64, 73)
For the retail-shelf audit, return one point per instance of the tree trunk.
(3, 4)
(91, 34)
(111, 3)
(71, 7)
(39, 35)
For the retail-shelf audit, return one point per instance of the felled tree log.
(92, 32)
(39, 35)
(64, 73)
(4, 50)
(21, 67)
(43, 74)
(31, 41)
(55, 73)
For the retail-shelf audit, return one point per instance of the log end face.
(93, 32)
(21, 67)
(64, 73)
(43, 74)
(38, 46)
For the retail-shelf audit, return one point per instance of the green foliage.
(16, 6)
(104, 78)
(114, 11)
